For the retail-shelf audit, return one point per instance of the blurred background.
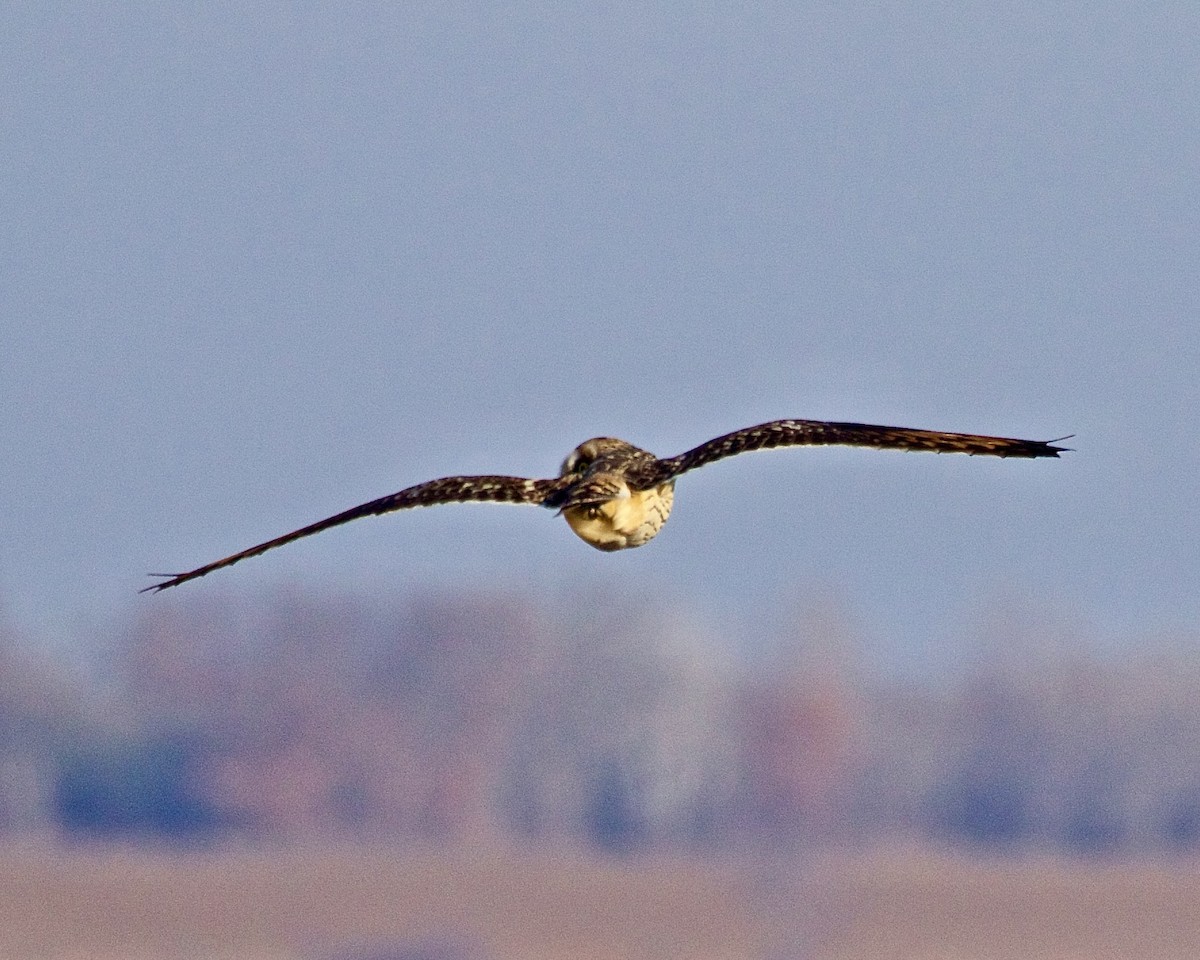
(262, 262)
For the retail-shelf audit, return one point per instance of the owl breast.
(623, 522)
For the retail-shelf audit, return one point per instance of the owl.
(615, 496)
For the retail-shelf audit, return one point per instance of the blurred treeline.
(460, 718)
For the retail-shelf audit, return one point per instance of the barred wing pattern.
(793, 433)
(445, 490)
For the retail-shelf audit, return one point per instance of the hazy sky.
(262, 261)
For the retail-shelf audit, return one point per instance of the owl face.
(628, 520)
(601, 508)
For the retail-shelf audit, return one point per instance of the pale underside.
(625, 521)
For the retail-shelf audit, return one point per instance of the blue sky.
(261, 262)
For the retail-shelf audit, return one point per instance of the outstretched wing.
(445, 490)
(793, 433)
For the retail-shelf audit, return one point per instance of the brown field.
(942, 907)
(379, 904)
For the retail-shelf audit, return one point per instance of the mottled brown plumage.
(615, 495)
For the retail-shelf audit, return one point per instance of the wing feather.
(793, 433)
(446, 490)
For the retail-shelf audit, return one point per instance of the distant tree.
(991, 766)
(800, 729)
(42, 708)
(606, 717)
(132, 788)
(799, 749)
(612, 816)
(626, 737)
(338, 714)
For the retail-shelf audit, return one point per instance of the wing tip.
(1053, 451)
(170, 580)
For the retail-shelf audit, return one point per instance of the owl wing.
(445, 490)
(794, 433)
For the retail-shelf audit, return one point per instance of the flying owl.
(615, 496)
